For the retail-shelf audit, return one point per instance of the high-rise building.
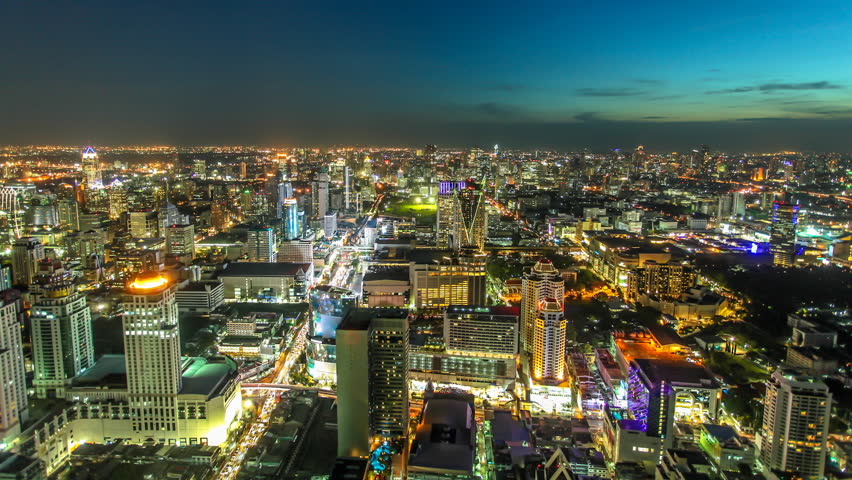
(329, 224)
(440, 278)
(62, 338)
(292, 222)
(117, 202)
(91, 168)
(372, 381)
(199, 168)
(796, 413)
(542, 281)
(13, 387)
(480, 329)
(320, 195)
(180, 242)
(329, 305)
(152, 354)
(262, 245)
(548, 359)
(782, 236)
(143, 224)
(26, 252)
(664, 280)
(461, 221)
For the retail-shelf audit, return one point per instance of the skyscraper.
(292, 224)
(91, 168)
(543, 281)
(320, 194)
(372, 385)
(152, 354)
(62, 338)
(180, 242)
(26, 252)
(117, 202)
(262, 244)
(13, 388)
(461, 218)
(796, 413)
(782, 237)
(548, 360)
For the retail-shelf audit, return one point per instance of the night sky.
(738, 75)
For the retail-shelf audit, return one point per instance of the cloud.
(652, 118)
(587, 117)
(648, 81)
(494, 109)
(610, 92)
(774, 87)
(507, 87)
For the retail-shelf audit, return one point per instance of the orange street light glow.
(146, 283)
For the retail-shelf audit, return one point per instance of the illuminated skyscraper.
(117, 202)
(320, 195)
(26, 252)
(262, 245)
(548, 360)
(91, 168)
(461, 218)
(372, 386)
(13, 388)
(542, 282)
(796, 413)
(152, 354)
(62, 338)
(782, 237)
(292, 223)
(180, 242)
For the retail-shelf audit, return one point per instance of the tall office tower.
(660, 279)
(347, 187)
(461, 218)
(69, 214)
(328, 307)
(284, 192)
(548, 360)
(13, 387)
(262, 245)
(543, 281)
(152, 354)
(5, 277)
(782, 236)
(796, 413)
(320, 195)
(117, 202)
(479, 329)
(91, 168)
(26, 252)
(199, 168)
(180, 242)
(639, 159)
(372, 380)
(292, 223)
(440, 278)
(329, 224)
(62, 338)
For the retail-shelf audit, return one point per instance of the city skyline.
(740, 77)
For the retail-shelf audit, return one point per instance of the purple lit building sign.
(447, 187)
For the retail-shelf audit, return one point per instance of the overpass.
(278, 387)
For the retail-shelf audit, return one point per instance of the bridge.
(273, 387)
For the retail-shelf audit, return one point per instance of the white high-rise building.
(13, 387)
(262, 245)
(91, 168)
(796, 412)
(62, 338)
(26, 252)
(543, 281)
(321, 194)
(548, 360)
(180, 242)
(152, 354)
